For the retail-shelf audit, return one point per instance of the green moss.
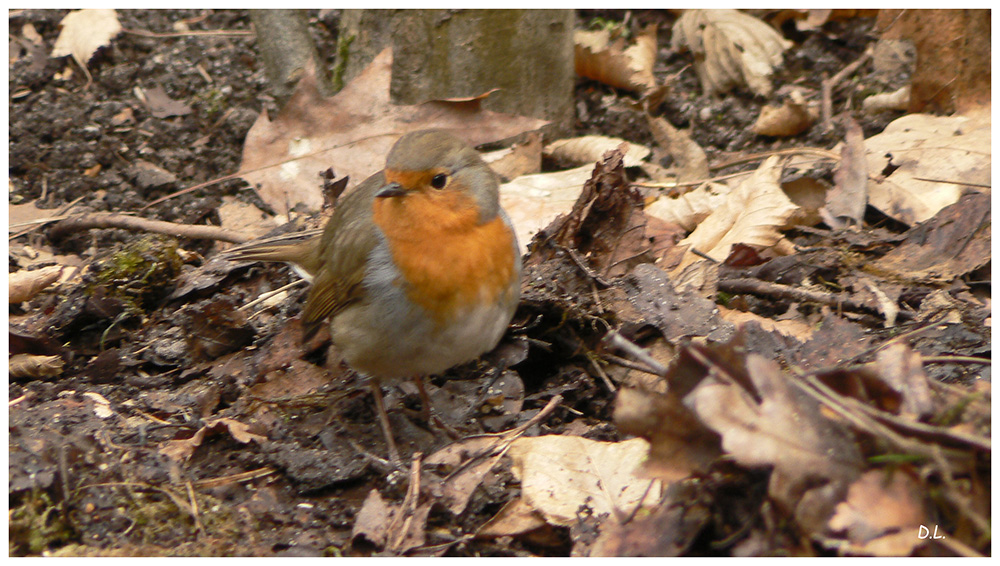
(140, 273)
(344, 42)
(37, 525)
(211, 102)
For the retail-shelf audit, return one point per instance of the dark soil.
(79, 486)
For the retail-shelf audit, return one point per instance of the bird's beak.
(391, 190)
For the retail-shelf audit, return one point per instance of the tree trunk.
(528, 54)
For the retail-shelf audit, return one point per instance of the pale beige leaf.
(731, 49)
(846, 201)
(690, 159)
(882, 514)
(602, 59)
(519, 159)
(559, 474)
(23, 285)
(534, 201)
(789, 119)
(797, 329)
(689, 209)
(589, 149)
(240, 216)
(895, 100)
(28, 365)
(515, 518)
(84, 32)
(752, 214)
(933, 156)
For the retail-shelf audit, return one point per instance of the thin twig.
(828, 84)
(618, 341)
(192, 33)
(759, 287)
(114, 220)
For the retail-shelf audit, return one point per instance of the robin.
(417, 270)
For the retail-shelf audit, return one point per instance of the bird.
(417, 270)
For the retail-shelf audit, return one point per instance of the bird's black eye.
(439, 181)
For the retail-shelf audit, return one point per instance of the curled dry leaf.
(895, 100)
(731, 49)
(846, 201)
(180, 450)
(84, 32)
(791, 118)
(27, 365)
(602, 59)
(931, 158)
(752, 214)
(588, 149)
(882, 514)
(519, 159)
(689, 158)
(559, 474)
(777, 425)
(23, 285)
(690, 208)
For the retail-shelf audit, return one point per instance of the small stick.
(828, 84)
(113, 220)
(634, 350)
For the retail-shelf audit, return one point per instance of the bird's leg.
(383, 419)
(425, 400)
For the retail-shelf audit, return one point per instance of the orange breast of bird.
(447, 259)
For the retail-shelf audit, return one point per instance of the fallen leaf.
(28, 365)
(240, 216)
(519, 159)
(954, 242)
(902, 369)
(84, 32)
(516, 517)
(689, 158)
(790, 119)
(352, 132)
(882, 514)
(731, 49)
(181, 450)
(776, 425)
(602, 59)
(560, 474)
(24, 285)
(752, 214)
(924, 162)
(162, 106)
(846, 201)
(588, 149)
(690, 208)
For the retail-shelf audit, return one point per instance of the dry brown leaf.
(689, 158)
(895, 100)
(240, 216)
(391, 526)
(162, 106)
(882, 514)
(373, 521)
(791, 118)
(589, 149)
(678, 443)
(752, 214)
(517, 160)
(84, 32)
(902, 368)
(27, 365)
(472, 459)
(559, 474)
(954, 242)
(731, 49)
(23, 285)
(516, 517)
(797, 329)
(932, 157)
(846, 201)
(690, 208)
(181, 450)
(813, 457)
(351, 133)
(534, 201)
(602, 59)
